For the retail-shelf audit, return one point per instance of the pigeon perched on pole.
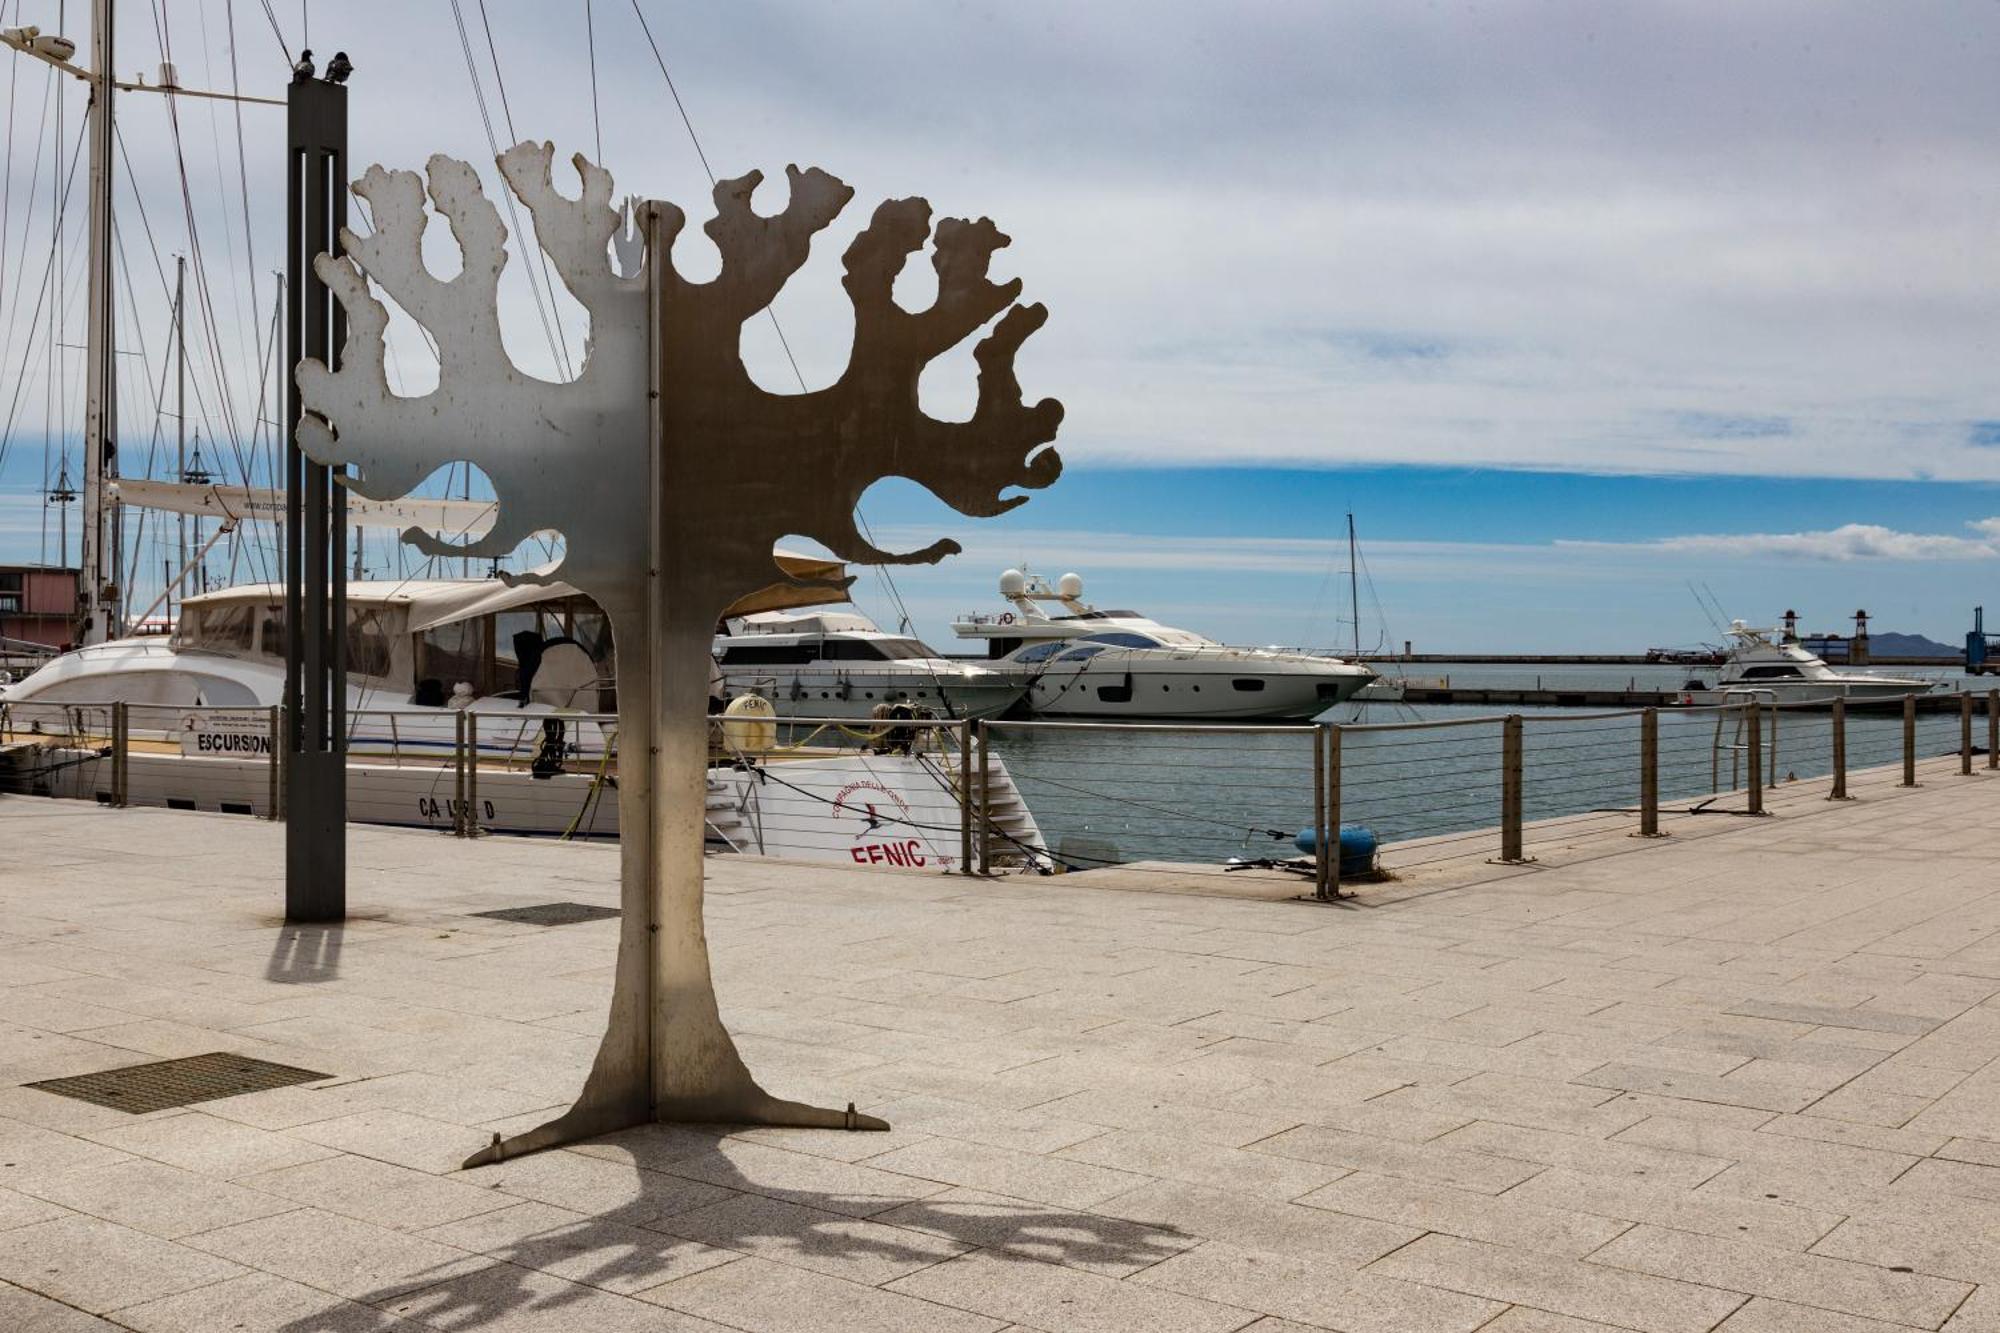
(303, 70)
(338, 68)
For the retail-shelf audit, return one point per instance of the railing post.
(1319, 811)
(1909, 740)
(1510, 789)
(471, 773)
(271, 810)
(1965, 734)
(985, 799)
(1993, 728)
(965, 797)
(1839, 792)
(1333, 808)
(458, 774)
(1754, 756)
(1649, 773)
(121, 753)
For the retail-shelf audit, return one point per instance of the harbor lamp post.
(315, 711)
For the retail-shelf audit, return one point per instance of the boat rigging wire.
(551, 331)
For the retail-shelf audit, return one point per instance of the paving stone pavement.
(1741, 1079)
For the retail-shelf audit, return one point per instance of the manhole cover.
(170, 1083)
(552, 914)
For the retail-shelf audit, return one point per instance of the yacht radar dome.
(1013, 583)
(1070, 586)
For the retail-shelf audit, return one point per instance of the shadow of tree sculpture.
(644, 1243)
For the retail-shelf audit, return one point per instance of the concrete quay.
(1741, 1078)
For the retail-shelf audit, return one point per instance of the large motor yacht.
(1767, 664)
(839, 664)
(1083, 662)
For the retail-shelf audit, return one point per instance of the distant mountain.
(1911, 645)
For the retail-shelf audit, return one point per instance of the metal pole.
(964, 797)
(1649, 773)
(100, 427)
(121, 753)
(315, 528)
(1333, 808)
(1320, 849)
(1909, 740)
(1839, 792)
(1510, 788)
(277, 747)
(1965, 734)
(1754, 756)
(458, 774)
(985, 800)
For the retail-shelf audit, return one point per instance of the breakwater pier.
(1743, 1075)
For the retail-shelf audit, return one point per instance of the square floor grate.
(165, 1084)
(552, 914)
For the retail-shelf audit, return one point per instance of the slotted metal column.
(315, 524)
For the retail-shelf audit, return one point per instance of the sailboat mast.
(100, 422)
(181, 390)
(1353, 584)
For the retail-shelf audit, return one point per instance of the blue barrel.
(1357, 847)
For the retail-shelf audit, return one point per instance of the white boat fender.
(750, 725)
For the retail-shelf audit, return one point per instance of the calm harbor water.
(1189, 795)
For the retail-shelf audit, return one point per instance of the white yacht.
(839, 664)
(1083, 662)
(527, 668)
(1766, 664)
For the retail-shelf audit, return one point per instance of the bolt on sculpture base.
(671, 476)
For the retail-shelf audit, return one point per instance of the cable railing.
(1156, 798)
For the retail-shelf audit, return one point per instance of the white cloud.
(1850, 541)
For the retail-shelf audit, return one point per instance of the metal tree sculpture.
(670, 475)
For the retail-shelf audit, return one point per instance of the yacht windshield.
(874, 650)
(1041, 652)
(1122, 639)
(1770, 673)
(1089, 650)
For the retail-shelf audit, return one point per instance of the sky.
(1572, 304)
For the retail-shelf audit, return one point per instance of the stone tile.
(1316, 1294)
(1763, 1315)
(1253, 1222)
(1063, 1300)
(837, 1244)
(1245, 1172)
(1099, 1241)
(25, 1312)
(153, 1197)
(1836, 1016)
(1521, 1319)
(1802, 1279)
(1509, 1219)
(1595, 1157)
(99, 1266)
(1432, 1162)
(1696, 1087)
(29, 1153)
(20, 1210)
(1560, 1286)
(1711, 1212)
(765, 1297)
(354, 1259)
(397, 1137)
(506, 1299)
(1024, 1131)
(595, 1251)
(586, 1183)
(372, 1191)
(258, 1303)
(210, 1146)
(1017, 1175)
(817, 1182)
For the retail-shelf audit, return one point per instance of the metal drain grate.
(169, 1083)
(552, 914)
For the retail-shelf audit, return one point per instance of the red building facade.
(38, 604)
